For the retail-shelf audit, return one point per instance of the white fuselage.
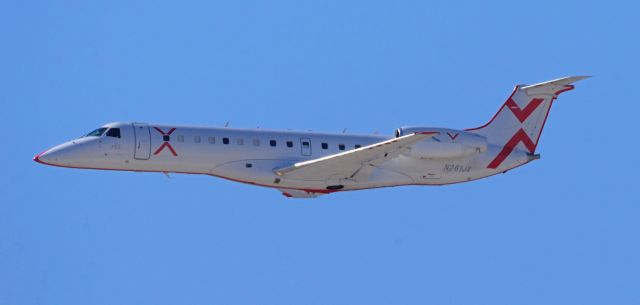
(308, 164)
(250, 156)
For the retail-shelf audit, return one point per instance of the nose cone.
(61, 155)
(38, 157)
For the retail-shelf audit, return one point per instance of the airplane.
(310, 164)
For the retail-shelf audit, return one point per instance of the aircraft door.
(305, 146)
(142, 136)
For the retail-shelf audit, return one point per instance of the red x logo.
(523, 114)
(165, 138)
(521, 135)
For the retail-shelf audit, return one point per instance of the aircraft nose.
(43, 157)
(60, 155)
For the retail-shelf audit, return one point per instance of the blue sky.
(562, 230)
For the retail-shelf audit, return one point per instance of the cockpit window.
(96, 133)
(114, 132)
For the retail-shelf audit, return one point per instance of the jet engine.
(447, 144)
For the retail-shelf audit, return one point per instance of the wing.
(353, 164)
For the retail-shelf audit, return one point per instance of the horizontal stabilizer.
(553, 87)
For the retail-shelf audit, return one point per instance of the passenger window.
(305, 144)
(272, 143)
(358, 146)
(180, 138)
(212, 140)
(289, 143)
(225, 141)
(196, 139)
(325, 146)
(341, 146)
(114, 132)
(240, 141)
(256, 142)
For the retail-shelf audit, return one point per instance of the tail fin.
(521, 119)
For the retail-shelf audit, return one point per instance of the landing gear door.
(305, 146)
(142, 136)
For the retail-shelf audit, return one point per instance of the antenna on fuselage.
(344, 130)
(226, 124)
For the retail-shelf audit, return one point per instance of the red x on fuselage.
(166, 137)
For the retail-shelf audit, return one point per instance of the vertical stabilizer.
(519, 122)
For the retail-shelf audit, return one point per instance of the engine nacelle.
(448, 144)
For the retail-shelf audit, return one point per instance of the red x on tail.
(520, 136)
